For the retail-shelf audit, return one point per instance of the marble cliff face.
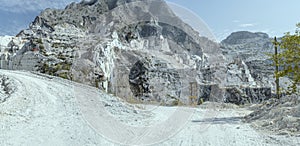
(142, 50)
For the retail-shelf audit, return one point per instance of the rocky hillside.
(277, 115)
(254, 50)
(141, 50)
(248, 46)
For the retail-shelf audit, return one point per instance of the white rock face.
(238, 74)
(105, 58)
(9, 46)
(4, 40)
(102, 43)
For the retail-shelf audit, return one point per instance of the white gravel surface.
(45, 110)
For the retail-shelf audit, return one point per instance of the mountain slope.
(136, 50)
(100, 44)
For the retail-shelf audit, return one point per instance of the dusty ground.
(43, 110)
(278, 116)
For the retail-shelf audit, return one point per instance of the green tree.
(288, 59)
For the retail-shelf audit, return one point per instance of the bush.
(39, 41)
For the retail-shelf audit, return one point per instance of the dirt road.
(45, 110)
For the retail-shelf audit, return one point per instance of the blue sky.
(274, 17)
(222, 16)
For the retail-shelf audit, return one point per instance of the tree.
(276, 67)
(288, 60)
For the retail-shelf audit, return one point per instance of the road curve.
(45, 110)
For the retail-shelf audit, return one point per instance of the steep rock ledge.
(137, 50)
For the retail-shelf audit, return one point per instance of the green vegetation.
(132, 100)
(63, 75)
(288, 60)
(42, 50)
(39, 41)
(61, 56)
(193, 100)
(54, 70)
(97, 83)
(41, 47)
(55, 45)
(177, 102)
(201, 101)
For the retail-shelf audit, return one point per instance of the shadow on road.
(226, 120)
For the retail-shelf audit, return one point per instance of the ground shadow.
(226, 120)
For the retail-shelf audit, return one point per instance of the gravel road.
(45, 110)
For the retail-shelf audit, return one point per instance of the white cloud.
(19, 6)
(235, 21)
(247, 25)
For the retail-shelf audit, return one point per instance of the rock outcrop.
(253, 50)
(133, 49)
(7, 87)
(141, 50)
(277, 115)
